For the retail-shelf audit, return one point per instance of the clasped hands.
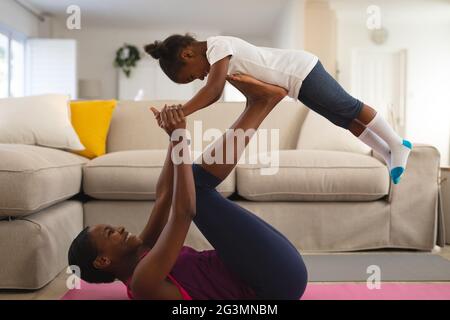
(170, 118)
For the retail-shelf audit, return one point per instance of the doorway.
(379, 80)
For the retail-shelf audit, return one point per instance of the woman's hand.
(157, 115)
(170, 118)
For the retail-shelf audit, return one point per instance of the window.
(51, 67)
(17, 68)
(12, 63)
(4, 76)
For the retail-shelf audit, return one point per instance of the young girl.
(184, 59)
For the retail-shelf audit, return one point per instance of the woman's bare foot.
(257, 91)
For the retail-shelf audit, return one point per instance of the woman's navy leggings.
(250, 247)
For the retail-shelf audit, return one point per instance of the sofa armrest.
(414, 201)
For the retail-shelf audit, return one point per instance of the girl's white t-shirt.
(281, 67)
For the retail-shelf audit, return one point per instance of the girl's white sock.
(377, 144)
(400, 148)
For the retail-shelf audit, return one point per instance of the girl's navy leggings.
(246, 244)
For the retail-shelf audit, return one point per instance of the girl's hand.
(170, 118)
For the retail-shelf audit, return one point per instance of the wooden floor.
(57, 288)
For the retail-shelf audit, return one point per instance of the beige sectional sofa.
(330, 193)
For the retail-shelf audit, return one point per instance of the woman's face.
(113, 243)
(196, 66)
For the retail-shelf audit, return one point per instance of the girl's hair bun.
(156, 49)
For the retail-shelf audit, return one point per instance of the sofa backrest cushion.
(317, 133)
(38, 120)
(133, 126)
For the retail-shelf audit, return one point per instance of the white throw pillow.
(318, 133)
(38, 120)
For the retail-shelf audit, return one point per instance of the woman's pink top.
(201, 275)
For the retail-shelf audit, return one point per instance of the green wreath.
(126, 58)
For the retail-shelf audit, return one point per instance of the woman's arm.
(161, 208)
(164, 190)
(213, 89)
(150, 274)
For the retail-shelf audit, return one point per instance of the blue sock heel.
(396, 173)
(407, 144)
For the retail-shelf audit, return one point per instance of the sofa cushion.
(91, 120)
(38, 120)
(131, 175)
(133, 126)
(318, 133)
(315, 175)
(33, 178)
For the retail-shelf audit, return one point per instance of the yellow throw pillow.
(91, 120)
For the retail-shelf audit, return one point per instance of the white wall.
(97, 48)
(290, 31)
(320, 33)
(17, 18)
(428, 70)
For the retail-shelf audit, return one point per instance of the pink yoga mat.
(387, 291)
(314, 291)
(88, 291)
